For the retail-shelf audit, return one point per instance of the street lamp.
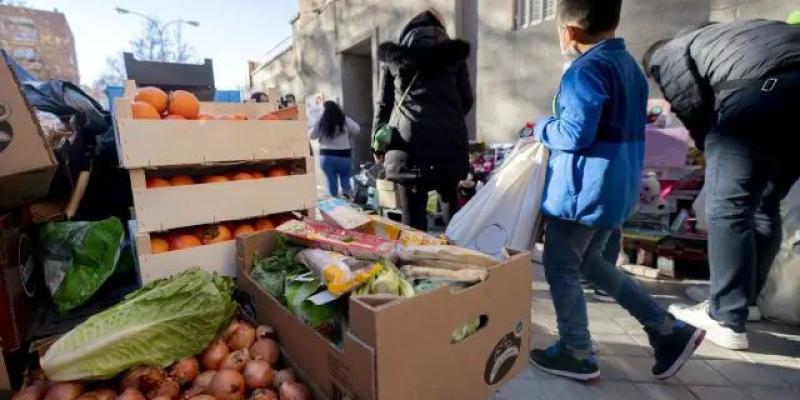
(161, 28)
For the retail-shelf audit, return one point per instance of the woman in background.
(333, 130)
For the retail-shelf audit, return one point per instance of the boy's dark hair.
(593, 16)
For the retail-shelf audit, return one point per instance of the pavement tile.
(710, 351)
(698, 372)
(524, 386)
(605, 326)
(664, 392)
(629, 324)
(789, 371)
(606, 344)
(562, 389)
(635, 369)
(605, 390)
(615, 311)
(745, 373)
(718, 393)
(773, 393)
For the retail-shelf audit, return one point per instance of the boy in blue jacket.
(596, 140)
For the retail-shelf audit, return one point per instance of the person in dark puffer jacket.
(431, 151)
(735, 87)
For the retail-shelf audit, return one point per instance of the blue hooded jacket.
(596, 139)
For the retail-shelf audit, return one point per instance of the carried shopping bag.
(778, 299)
(504, 212)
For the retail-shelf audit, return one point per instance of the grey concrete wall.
(280, 73)
(736, 10)
(519, 70)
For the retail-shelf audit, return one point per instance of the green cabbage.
(163, 322)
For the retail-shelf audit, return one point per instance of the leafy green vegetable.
(388, 281)
(165, 321)
(78, 257)
(271, 272)
(325, 318)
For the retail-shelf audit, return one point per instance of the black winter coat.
(688, 67)
(430, 121)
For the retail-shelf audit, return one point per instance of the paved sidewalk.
(769, 370)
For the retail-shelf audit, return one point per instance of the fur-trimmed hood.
(445, 54)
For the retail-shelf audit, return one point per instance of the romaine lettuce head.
(163, 322)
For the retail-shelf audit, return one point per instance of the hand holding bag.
(385, 132)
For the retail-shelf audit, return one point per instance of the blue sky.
(231, 32)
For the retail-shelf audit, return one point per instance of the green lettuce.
(163, 322)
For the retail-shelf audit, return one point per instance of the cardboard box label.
(504, 356)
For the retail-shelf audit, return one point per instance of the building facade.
(515, 64)
(41, 41)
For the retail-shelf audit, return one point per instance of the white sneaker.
(697, 316)
(701, 294)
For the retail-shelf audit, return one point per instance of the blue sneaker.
(673, 350)
(558, 360)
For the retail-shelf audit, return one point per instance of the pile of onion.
(242, 364)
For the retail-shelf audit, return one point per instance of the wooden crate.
(156, 143)
(159, 209)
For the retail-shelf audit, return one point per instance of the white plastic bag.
(779, 298)
(504, 211)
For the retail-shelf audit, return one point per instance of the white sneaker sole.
(570, 375)
(717, 334)
(691, 346)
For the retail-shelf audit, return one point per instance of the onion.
(236, 360)
(204, 379)
(131, 394)
(265, 331)
(33, 392)
(283, 376)
(185, 371)
(214, 354)
(227, 385)
(105, 394)
(142, 378)
(266, 349)
(242, 337)
(64, 391)
(234, 325)
(162, 397)
(258, 374)
(203, 397)
(264, 394)
(167, 387)
(88, 396)
(294, 391)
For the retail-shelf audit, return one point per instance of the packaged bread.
(470, 275)
(414, 254)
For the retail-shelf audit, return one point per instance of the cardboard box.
(159, 209)
(16, 267)
(216, 257)
(388, 195)
(401, 349)
(154, 143)
(27, 164)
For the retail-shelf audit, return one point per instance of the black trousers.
(752, 162)
(414, 200)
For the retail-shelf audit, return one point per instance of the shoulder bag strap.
(402, 99)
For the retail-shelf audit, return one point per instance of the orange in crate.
(184, 103)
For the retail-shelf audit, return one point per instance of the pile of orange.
(180, 180)
(185, 238)
(151, 102)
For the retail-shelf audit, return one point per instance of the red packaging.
(326, 237)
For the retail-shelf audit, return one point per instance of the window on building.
(528, 13)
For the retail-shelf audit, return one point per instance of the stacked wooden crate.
(152, 149)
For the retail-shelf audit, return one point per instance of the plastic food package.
(78, 257)
(453, 254)
(326, 237)
(339, 213)
(339, 273)
(392, 230)
(503, 213)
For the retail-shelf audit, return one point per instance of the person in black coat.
(430, 150)
(735, 87)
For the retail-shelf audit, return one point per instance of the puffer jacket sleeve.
(580, 101)
(385, 103)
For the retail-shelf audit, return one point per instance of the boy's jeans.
(572, 249)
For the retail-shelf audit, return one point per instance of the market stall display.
(174, 338)
(473, 308)
(203, 170)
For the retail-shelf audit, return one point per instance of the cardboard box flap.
(22, 144)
